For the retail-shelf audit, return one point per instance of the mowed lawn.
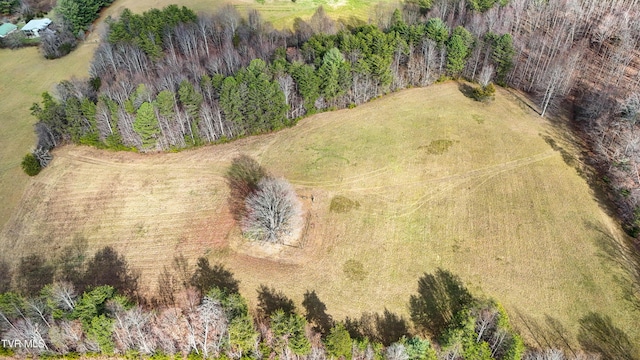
(440, 181)
(24, 75)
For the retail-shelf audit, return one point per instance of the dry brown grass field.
(441, 181)
(25, 74)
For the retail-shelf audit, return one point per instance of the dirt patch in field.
(439, 147)
(342, 204)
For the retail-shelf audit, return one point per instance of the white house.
(33, 27)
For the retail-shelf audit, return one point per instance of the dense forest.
(76, 304)
(169, 79)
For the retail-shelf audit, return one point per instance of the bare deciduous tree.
(31, 332)
(207, 328)
(57, 42)
(558, 80)
(37, 309)
(273, 211)
(396, 352)
(43, 155)
(485, 75)
(549, 354)
(321, 23)
(66, 336)
(132, 330)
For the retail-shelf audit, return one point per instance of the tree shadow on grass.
(270, 300)
(70, 262)
(316, 313)
(466, 90)
(351, 22)
(627, 258)
(385, 328)
(107, 267)
(598, 334)
(550, 334)
(567, 157)
(558, 334)
(576, 154)
(440, 297)
(206, 277)
(390, 327)
(242, 177)
(32, 274)
(5, 276)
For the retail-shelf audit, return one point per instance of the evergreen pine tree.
(191, 100)
(437, 31)
(503, 52)
(146, 125)
(308, 84)
(292, 328)
(333, 73)
(231, 102)
(458, 49)
(165, 103)
(339, 343)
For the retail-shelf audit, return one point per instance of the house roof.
(36, 24)
(6, 28)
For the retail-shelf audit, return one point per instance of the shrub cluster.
(31, 165)
(484, 93)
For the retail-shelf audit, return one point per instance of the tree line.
(26, 8)
(198, 313)
(580, 59)
(169, 79)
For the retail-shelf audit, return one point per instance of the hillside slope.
(440, 181)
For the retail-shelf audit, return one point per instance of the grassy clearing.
(25, 75)
(500, 207)
(281, 13)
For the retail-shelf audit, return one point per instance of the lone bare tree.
(273, 211)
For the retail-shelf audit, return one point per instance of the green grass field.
(25, 75)
(419, 179)
(280, 13)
